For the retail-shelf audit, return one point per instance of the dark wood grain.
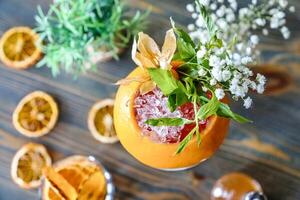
(267, 149)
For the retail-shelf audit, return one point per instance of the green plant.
(73, 31)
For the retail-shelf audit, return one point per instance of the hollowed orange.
(161, 155)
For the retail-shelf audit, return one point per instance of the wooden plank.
(268, 149)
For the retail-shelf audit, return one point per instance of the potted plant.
(76, 34)
(172, 111)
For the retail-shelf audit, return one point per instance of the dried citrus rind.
(94, 188)
(36, 114)
(100, 121)
(74, 177)
(27, 165)
(18, 47)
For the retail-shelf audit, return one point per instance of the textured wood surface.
(267, 149)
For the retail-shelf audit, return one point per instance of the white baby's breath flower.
(246, 60)
(247, 102)
(217, 73)
(220, 94)
(204, 89)
(213, 6)
(194, 15)
(204, 2)
(213, 82)
(254, 39)
(265, 31)
(202, 72)
(201, 53)
(261, 79)
(285, 32)
(190, 7)
(226, 75)
(260, 21)
(292, 9)
(283, 3)
(191, 27)
(260, 88)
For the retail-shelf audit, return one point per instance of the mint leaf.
(168, 122)
(209, 108)
(164, 80)
(183, 144)
(185, 51)
(176, 99)
(225, 111)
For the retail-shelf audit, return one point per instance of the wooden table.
(267, 149)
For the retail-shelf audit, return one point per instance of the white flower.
(214, 61)
(292, 9)
(285, 32)
(213, 6)
(261, 79)
(222, 24)
(226, 75)
(221, 11)
(191, 27)
(254, 2)
(260, 88)
(213, 82)
(200, 22)
(194, 15)
(202, 72)
(254, 39)
(219, 93)
(247, 102)
(246, 60)
(260, 21)
(204, 2)
(283, 3)
(217, 73)
(190, 7)
(201, 53)
(265, 31)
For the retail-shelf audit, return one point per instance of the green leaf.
(207, 19)
(183, 144)
(209, 108)
(185, 51)
(164, 80)
(168, 122)
(176, 99)
(225, 111)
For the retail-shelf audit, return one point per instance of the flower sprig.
(248, 21)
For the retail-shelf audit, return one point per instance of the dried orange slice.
(75, 177)
(50, 192)
(27, 165)
(94, 188)
(100, 121)
(58, 181)
(36, 114)
(18, 47)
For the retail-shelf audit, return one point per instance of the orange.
(36, 114)
(160, 155)
(27, 165)
(100, 121)
(18, 48)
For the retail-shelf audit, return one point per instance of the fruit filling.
(153, 105)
